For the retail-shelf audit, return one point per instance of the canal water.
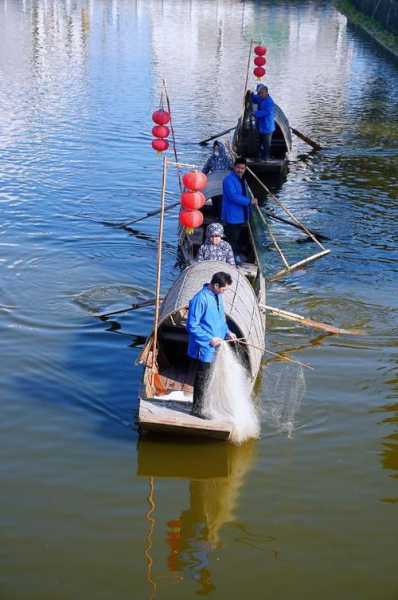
(88, 511)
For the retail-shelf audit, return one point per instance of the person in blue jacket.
(235, 205)
(265, 118)
(207, 328)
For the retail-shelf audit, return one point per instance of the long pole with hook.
(159, 268)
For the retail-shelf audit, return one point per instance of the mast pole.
(159, 269)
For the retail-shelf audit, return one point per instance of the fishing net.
(283, 393)
(228, 396)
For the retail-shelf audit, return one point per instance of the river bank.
(386, 39)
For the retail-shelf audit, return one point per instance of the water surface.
(309, 510)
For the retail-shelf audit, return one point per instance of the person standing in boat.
(215, 248)
(265, 119)
(218, 160)
(207, 328)
(235, 205)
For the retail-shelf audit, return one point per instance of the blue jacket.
(265, 115)
(206, 320)
(234, 202)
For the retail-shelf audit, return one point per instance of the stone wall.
(383, 11)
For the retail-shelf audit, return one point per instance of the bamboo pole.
(247, 70)
(286, 210)
(172, 131)
(147, 215)
(180, 164)
(135, 306)
(273, 239)
(298, 265)
(213, 137)
(309, 322)
(159, 268)
(281, 356)
(270, 232)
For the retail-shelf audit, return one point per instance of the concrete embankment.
(379, 18)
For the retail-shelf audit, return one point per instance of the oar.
(135, 306)
(309, 322)
(306, 139)
(149, 214)
(314, 232)
(213, 137)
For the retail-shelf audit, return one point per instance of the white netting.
(228, 396)
(283, 393)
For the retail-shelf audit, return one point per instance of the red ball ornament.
(195, 181)
(191, 218)
(160, 131)
(259, 72)
(260, 50)
(161, 117)
(192, 200)
(160, 145)
(260, 61)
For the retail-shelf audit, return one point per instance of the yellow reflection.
(215, 473)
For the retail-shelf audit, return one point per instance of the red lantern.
(191, 218)
(160, 131)
(161, 117)
(160, 145)
(259, 72)
(260, 61)
(195, 180)
(260, 50)
(192, 200)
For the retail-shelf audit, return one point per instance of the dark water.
(308, 511)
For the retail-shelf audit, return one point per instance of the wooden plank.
(161, 419)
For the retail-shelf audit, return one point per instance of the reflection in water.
(389, 453)
(216, 473)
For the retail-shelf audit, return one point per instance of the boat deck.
(173, 416)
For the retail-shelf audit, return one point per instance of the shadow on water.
(98, 376)
(214, 473)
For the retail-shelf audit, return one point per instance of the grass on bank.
(374, 28)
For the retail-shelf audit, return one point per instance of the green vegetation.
(370, 25)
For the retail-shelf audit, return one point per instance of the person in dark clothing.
(235, 205)
(207, 328)
(218, 160)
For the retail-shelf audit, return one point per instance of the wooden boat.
(166, 395)
(246, 142)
